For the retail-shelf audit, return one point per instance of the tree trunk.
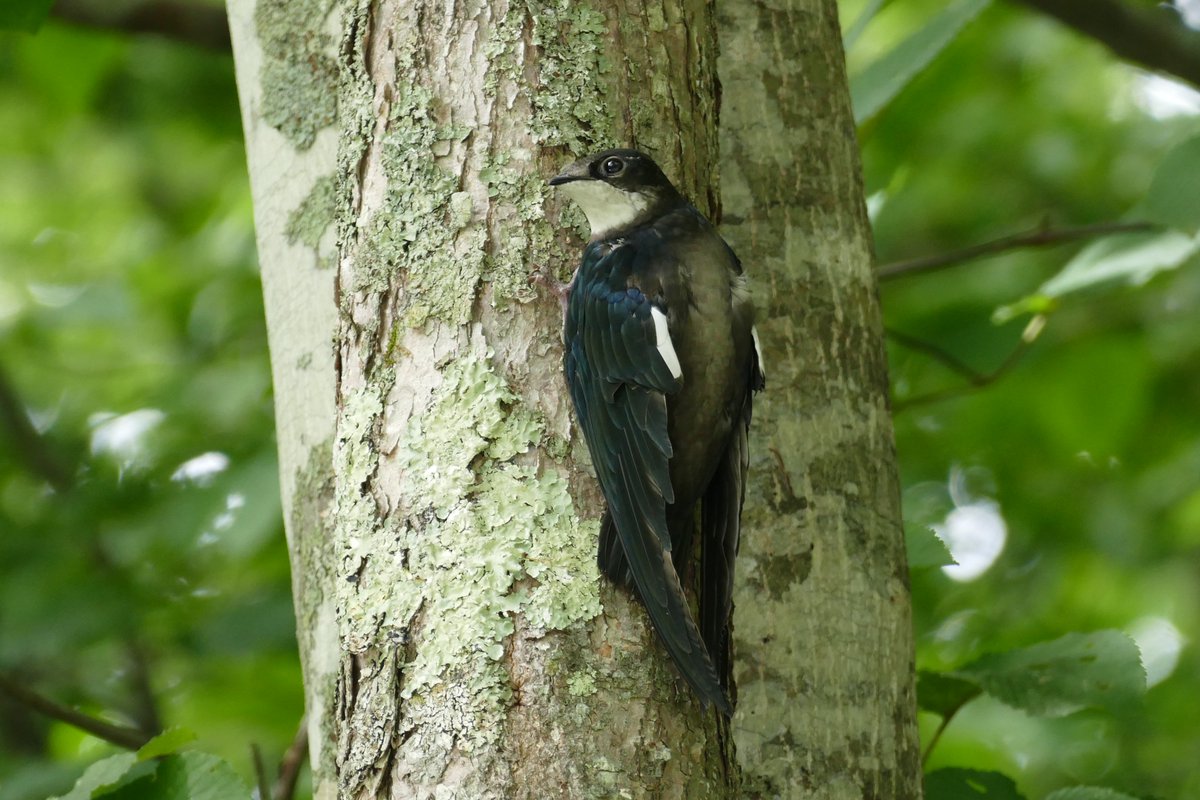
(442, 517)
(823, 634)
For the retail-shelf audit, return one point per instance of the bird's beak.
(578, 171)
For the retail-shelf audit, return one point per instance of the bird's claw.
(543, 278)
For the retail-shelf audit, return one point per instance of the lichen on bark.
(299, 78)
(308, 222)
(479, 533)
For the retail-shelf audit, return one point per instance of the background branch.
(975, 379)
(119, 735)
(192, 23)
(1155, 38)
(1039, 237)
(290, 764)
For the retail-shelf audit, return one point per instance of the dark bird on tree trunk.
(662, 360)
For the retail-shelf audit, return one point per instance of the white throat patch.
(607, 208)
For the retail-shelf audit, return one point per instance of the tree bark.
(291, 164)
(823, 634)
(442, 518)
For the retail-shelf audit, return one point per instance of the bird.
(662, 361)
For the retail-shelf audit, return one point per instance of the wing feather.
(619, 383)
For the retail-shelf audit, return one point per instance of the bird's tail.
(669, 614)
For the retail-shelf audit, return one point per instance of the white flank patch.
(662, 339)
(607, 208)
(758, 349)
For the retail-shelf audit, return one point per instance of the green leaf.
(1088, 793)
(187, 776)
(860, 22)
(954, 783)
(1056, 678)
(925, 548)
(1172, 199)
(944, 694)
(879, 83)
(199, 776)
(104, 773)
(1130, 257)
(24, 15)
(167, 742)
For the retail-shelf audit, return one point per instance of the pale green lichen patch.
(582, 684)
(525, 236)
(486, 537)
(308, 221)
(299, 79)
(568, 103)
(424, 233)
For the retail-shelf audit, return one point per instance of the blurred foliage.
(131, 330)
(1081, 463)
(143, 570)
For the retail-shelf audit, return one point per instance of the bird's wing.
(720, 528)
(620, 367)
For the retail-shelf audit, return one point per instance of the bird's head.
(617, 190)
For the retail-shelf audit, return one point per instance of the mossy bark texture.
(443, 517)
(822, 623)
(441, 514)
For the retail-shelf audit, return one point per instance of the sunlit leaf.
(1055, 678)
(104, 773)
(1131, 257)
(954, 783)
(1173, 199)
(860, 22)
(199, 776)
(166, 742)
(185, 776)
(875, 86)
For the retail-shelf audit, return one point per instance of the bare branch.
(1039, 237)
(260, 772)
(120, 735)
(975, 379)
(289, 766)
(191, 23)
(1154, 38)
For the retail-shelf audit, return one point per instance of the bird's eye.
(612, 166)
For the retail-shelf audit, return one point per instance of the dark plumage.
(661, 360)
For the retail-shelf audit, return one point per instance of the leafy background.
(143, 572)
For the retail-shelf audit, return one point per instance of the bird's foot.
(542, 277)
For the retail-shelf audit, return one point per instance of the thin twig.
(260, 772)
(120, 735)
(290, 764)
(1039, 237)
(975, 379)
(941, 728)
